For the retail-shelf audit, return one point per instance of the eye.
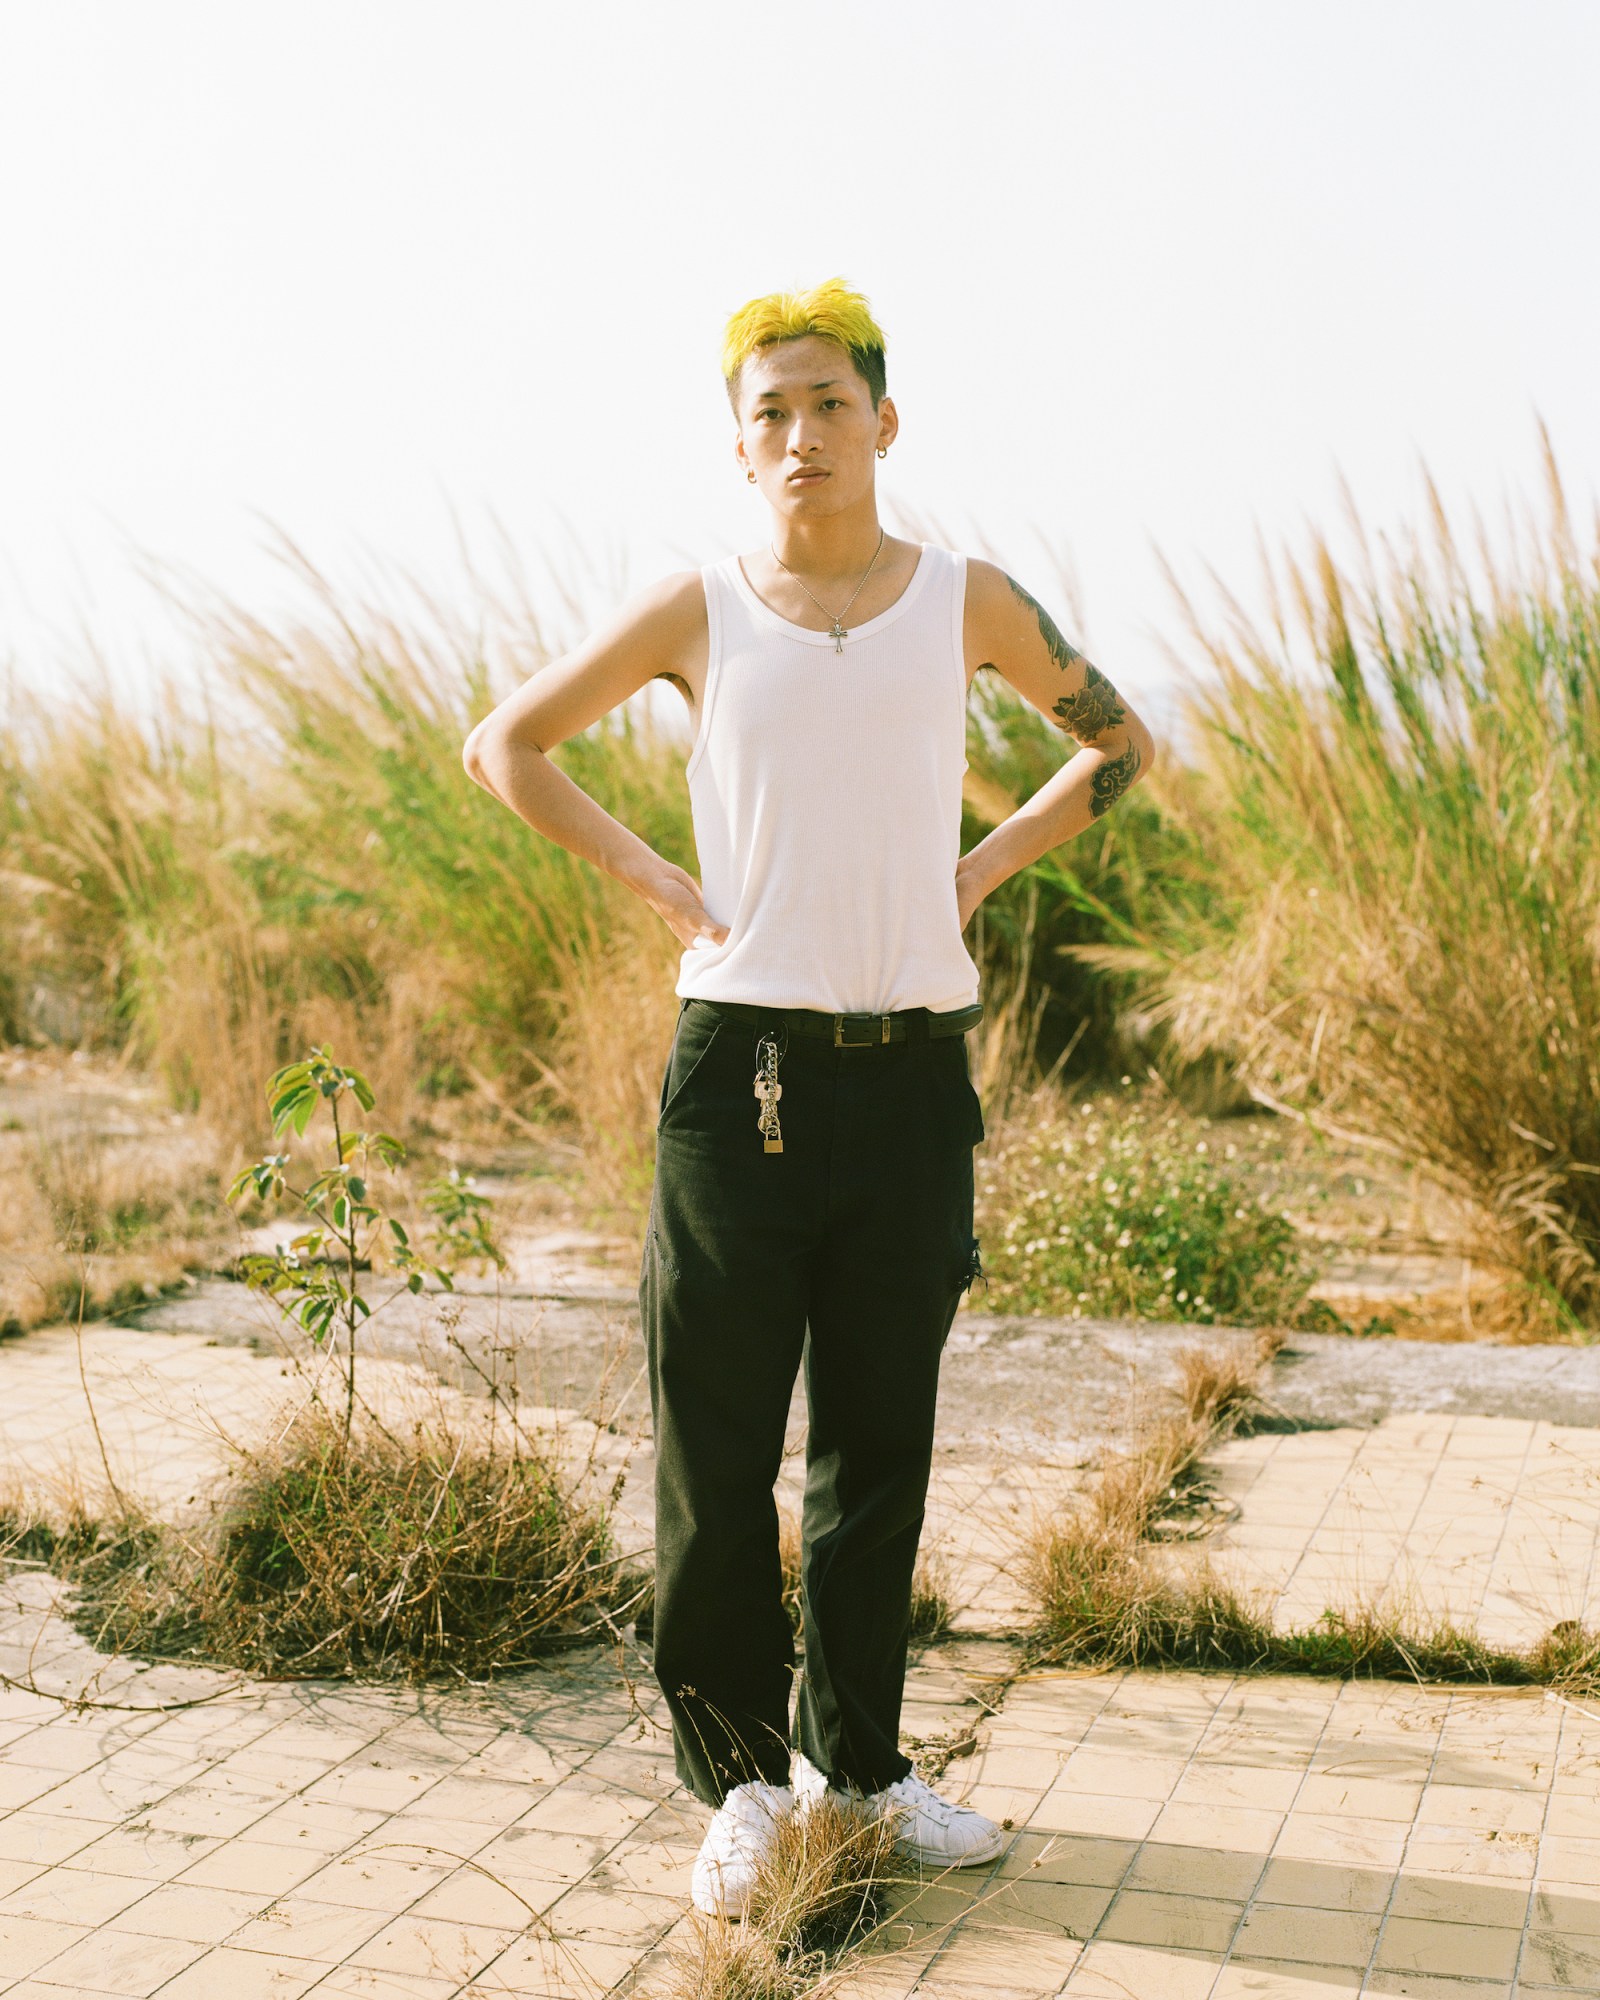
(833, 402)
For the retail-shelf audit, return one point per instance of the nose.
(800, 443)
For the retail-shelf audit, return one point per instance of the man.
(813, 1196)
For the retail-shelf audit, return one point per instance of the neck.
(841, 545)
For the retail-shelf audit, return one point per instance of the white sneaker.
(934, 1831)
(740, 1835)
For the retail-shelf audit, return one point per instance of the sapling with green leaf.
(461, 1220)
(314, 1277)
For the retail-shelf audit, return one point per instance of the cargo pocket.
(965, 1107)
(974, 1101)
(690, 1045)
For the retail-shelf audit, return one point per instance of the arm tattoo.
(1096, 706)
(1111, 780)
(1060, 651)
(1089, 713)
(1094, 709)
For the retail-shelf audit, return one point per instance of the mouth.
(807, 476)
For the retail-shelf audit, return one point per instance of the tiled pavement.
(1487, 1520)
(530, 1838)
(289, 1840)
(1195, 1837)
(1173, 1835)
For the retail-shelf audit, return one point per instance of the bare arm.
(507, 752)
(1011, 631)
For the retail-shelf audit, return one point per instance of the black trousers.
(849, 1249)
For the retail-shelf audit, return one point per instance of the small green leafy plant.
(314, 1277)
(461, 1220)
(405, 1540)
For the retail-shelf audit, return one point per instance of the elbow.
(472, 754)
(1147, 753)
(500, 743)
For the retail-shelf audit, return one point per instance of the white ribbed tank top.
(825, 789)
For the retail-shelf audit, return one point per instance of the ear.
(888, 422)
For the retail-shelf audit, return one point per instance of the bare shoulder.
(987, 582)
(1000, 617)
(659, 633)
(669, 611)
(660, 630)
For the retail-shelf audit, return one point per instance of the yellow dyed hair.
(830, 309)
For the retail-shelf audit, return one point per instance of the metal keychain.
(769, 1090)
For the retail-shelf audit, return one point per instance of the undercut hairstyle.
(830, 309)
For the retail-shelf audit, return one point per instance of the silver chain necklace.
(836, 631)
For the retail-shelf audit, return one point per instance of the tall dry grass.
(294, 852)
(1402, 798)
(287, 852)
(1373, 898)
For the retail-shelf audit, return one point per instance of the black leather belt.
(853, 1031)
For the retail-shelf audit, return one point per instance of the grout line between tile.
(1550, 1795)
(1538, 1857)
(1400, 1867)
(1505, 1522)
(1188, 1763)
(1251, 1899)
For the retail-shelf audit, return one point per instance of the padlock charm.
(768, 1090)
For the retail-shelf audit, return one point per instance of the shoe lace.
(921, 1797)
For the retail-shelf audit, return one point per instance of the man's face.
(807, 428)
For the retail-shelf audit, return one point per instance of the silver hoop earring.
(883, 451)
(751, 477)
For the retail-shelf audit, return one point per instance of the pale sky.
(1153, 272)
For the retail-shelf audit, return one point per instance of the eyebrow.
(767, 395)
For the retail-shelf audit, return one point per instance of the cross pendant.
(836, 633)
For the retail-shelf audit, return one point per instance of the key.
(768, 1090)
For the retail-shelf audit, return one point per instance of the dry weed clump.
(446, 1550)
(818, 1919)
(823, 1882)
(930, 1597)
(100, 1219)
(826, 1913)
(1102, 1595)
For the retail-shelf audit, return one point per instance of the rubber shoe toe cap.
(934, 1830)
